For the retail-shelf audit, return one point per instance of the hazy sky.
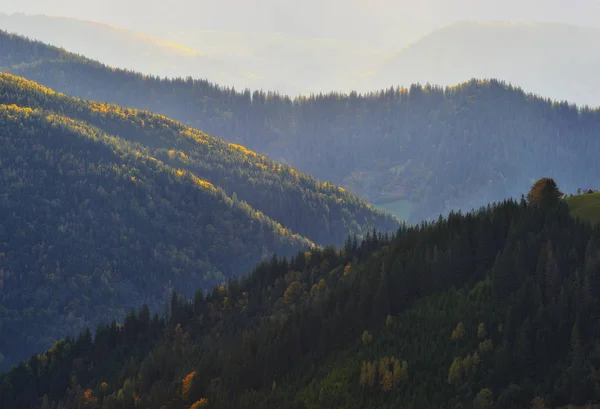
(369, 19)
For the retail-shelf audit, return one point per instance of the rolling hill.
(585, 206)
(556, 60)
(497, 308)
(105, 208)
(320, 211)
(416, 152)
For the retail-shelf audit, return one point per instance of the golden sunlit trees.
(368, 374)
(388, 372)
(459, 332)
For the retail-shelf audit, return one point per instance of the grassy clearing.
(585, 206)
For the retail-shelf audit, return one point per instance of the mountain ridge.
(471, 49)
(106, 208)
(390, 146)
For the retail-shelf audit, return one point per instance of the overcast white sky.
(333, 18)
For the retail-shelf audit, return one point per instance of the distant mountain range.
(416, 152)
(555, 60)
(381, 22)
(551, 59)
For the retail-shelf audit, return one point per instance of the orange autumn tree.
(544, 193)
(202, 403)
(186, 384)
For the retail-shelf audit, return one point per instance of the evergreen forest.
(105, 208)
(496, 308)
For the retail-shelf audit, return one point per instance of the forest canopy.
(509, 295)
(105, 208)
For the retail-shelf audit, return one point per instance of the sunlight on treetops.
(243, 149)
(203, 183)
(196, 180)
(22, 82)
(13, 112)
(195, 134)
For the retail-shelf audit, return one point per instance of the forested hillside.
(320, 211)
(104, 208)
(497, 308)
(417, 152)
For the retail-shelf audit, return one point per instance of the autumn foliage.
(202, 403)
(544, 192)
(186, 384)
(389, 373)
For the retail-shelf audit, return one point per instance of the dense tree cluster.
(509, 294)
(103, 209)
(91, 228)
(417, 151)
(320, 211)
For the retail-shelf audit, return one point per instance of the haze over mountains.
(550, 59)
(417, 152)
(300, 49)
(384, 21)
(127, 49)
(241, 59)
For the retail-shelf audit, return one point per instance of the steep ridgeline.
(320, 211)
(415, 152)
(104, 208)
(498, 308)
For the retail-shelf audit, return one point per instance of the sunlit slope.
(107, 208)
(418, 151)
(93, 226)
(317, 210)
(586, 206)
